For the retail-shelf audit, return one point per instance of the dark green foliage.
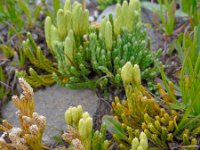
(35, 55)
(94, 58)
(94, 64)
(99, 139)
(36, 80)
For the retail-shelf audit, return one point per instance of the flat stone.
(52, 103)
(106, 12)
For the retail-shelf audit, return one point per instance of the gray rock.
(52, 102)
(109, 10)
(148, 16)
(156, 41)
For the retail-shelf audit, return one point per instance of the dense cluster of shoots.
(140, 143)
(138, 100)
(112, 53)
(80, 132)
(32, 125)
(140, 111)
(35, 56)
(91, 55)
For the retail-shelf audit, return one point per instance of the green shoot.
(168, 16)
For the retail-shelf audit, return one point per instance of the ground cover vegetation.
(113, 55)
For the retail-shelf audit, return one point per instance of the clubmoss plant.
(125, 136)
(140, 111)
(141, 143)
(35, 56)
(92, 55)
(80, 133)
(32, 125)
(70, 18)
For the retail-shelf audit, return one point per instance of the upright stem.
(83, 4)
